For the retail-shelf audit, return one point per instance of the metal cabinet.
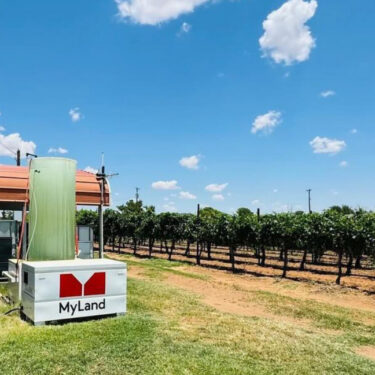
(8, 242)
(85, 242)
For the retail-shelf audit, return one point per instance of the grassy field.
(170, 329)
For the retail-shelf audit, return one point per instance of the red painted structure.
(14, 185)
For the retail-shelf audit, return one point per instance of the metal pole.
(309, 199)
(18, 158)
(101, 226)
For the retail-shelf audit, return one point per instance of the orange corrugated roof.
(14, 182)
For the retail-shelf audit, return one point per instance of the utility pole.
(137, 194)
(18, 158)
(102, 177)
(258, 214)
(198, 247)
(309, 199)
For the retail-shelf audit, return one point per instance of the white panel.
(79, 308)
(41, 295)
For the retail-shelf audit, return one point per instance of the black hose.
(12, 310)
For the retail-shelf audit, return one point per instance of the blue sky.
(260, 111)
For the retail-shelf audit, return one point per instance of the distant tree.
(90, 218)
(149, 227)
(7, 215)
(243, 212)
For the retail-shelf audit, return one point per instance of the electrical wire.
(36, 217)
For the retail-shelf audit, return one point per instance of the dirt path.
(324, 274)
(367, 351)
(233, 293)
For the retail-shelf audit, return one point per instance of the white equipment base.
(70, 289)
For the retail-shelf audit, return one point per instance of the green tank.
(52, 195)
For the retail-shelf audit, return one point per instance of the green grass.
(168, 331)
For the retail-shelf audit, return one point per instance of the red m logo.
(71, 287)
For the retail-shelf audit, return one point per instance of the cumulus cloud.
(75, 114)
(267, 122)
(91, 170)
(2, 129)
(58, 150)
(154, 12)
(327, 94)
(187, 195)
(218, 197)
(323, 145)
(190, 162)
(216, 188)
(165, 185)
(256, 202)
(9, 144)
(343, 164)
(286, 38)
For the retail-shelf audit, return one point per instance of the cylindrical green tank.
(52, 194)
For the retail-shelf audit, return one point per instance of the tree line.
(349, 233)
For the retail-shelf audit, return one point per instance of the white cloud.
(286, 38)
(218, 197)
(216, 188)
(185, 27)
(344, 164)
(2, 129)
(257, 202)
(165, 185)
(58, 150)
(187, 195)
(267, 122)
(323, 145)
(170, 207)
(75, 114)
(354, 131)
(327, 94)
(154, 12)
(9, 144)
(91, 170)
(190, 162)
(275, 190)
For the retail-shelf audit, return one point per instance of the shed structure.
(14, 182)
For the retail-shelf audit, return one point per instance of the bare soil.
(324, 273)
(367, 351)
(232, 293)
